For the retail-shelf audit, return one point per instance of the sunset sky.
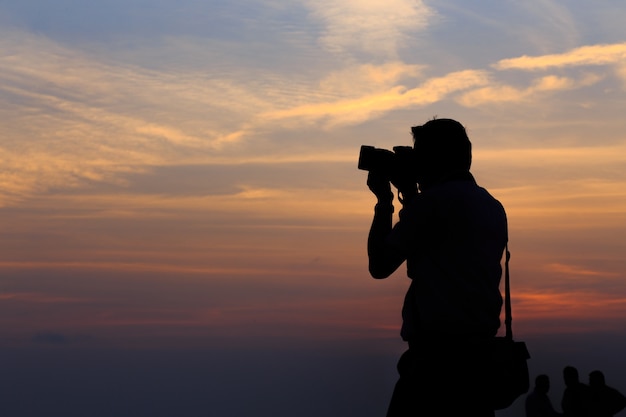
(180, 177)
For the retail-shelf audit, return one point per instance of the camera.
(397, 165)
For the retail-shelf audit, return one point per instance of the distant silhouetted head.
(570, 375)
(596, 379)
(542, 384)
(442, 148)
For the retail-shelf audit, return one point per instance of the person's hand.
(407, 191)
(380, 186)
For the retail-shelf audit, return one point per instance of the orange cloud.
(355, 110)
(585, 55)
(506, 93)
(568, 311)
(574, 270)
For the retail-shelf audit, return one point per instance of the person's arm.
(383, 259)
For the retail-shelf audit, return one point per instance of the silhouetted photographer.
(452, 234)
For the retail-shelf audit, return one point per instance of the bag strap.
(508, 318)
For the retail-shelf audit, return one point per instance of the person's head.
(596, 379)
(542, 384)
(570, 375)
(442, 148)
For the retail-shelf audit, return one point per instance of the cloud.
(356, 110)
(70, 118)
(585, 55)
(577, 271)
(570, 305)
(355, 80)
(43, 76)
(370, 26)
(506, 93)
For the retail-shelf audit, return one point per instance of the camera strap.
(508, 316)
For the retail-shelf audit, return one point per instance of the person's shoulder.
(582, 388)
(614, 391)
